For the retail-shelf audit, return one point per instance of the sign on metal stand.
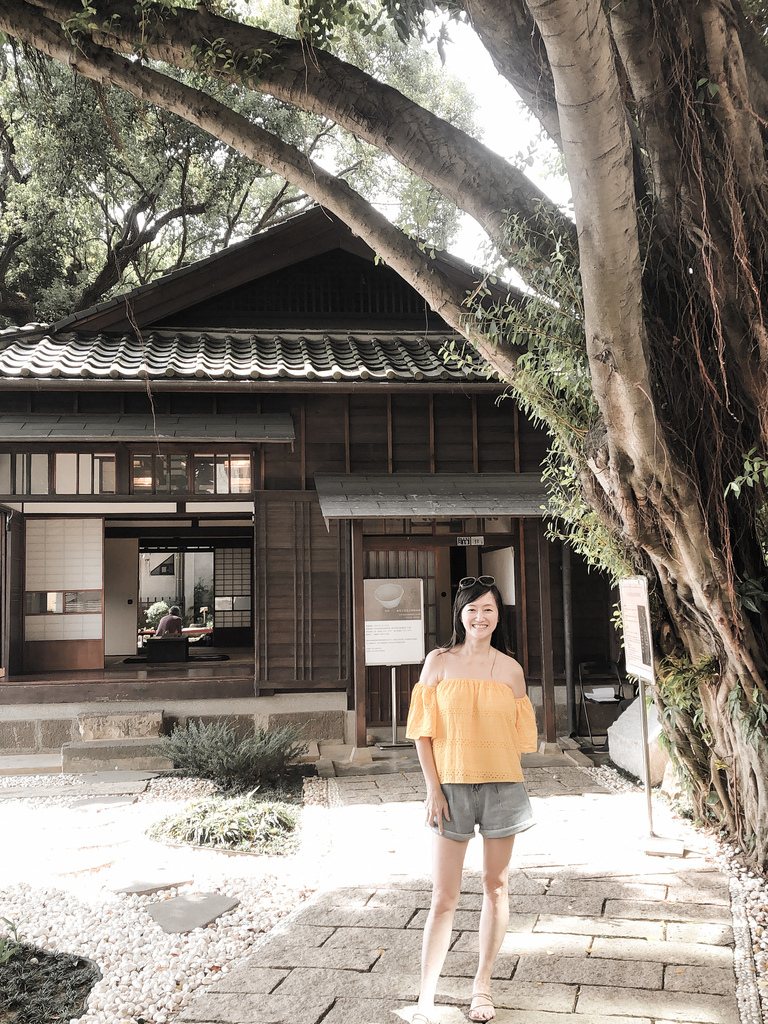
(394, 632)
(638, 654)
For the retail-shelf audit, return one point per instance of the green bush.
(155, 612)
(232, 823)
(215, 751)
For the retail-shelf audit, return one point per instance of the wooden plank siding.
(302, 597)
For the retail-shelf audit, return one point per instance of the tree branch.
(473, 177)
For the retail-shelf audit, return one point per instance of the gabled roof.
(309, 234)
(222, 355)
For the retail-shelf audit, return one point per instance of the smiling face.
(480, 616)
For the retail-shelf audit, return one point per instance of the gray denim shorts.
(499, 808)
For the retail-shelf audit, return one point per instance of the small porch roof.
(400, 495)
(202, 429)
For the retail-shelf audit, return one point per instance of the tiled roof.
(221, 355)
(397, 495)
(134, 427)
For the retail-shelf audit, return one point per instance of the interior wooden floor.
(118, 681)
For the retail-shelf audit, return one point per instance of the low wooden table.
(167, 648)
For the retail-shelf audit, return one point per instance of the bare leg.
(447, 863)
(494, 917)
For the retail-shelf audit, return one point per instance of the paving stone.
(505, 1016)
(711, 934)
(530, 943)
(303, 934)
(602, 926)
(673, 1006)
(522, 995)
(354, 984)
(377, 938)
(355, 917)
(469, 920)
(147, 888)
(254, 981)
(683, 953)
(667, 911)
(604, 889)
(589, 906)
(720, 981)
(383, 1011)
(592, 971)
(289, 955)
(414, 898)
(457, 964)
(351, 897)
(103, 801)
(192, 910)
(231, 1008)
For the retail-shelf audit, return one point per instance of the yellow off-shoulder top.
(478, 729)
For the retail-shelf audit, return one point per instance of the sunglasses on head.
(470, 581)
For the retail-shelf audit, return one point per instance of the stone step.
(31, 764)
(104, 755)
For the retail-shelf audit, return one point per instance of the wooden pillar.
(547, 655)
(358, 634)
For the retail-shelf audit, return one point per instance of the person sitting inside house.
(170, 624)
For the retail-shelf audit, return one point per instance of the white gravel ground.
(147, 975)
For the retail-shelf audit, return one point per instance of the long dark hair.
(465, 596)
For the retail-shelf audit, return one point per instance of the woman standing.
(471, 719)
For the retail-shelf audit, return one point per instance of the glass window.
(5, 474)
(142, 473)
(56, 602)
(240, 474)
(66, 473)
(222, 474)
(103, 474)
(39, 474)
(204, 474)
(178, 474)
(85, 481)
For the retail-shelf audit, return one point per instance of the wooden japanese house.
(282, 411)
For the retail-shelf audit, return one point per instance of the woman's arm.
(436, 805)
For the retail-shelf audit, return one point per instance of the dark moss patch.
(39, 987)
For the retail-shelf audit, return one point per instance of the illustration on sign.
(394, 621)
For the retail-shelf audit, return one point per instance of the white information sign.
(394, 621)
(635, 613)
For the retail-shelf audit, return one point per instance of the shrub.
(232, 823)
(215, 751)
(155, 612)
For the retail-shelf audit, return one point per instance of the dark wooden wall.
(301, 591)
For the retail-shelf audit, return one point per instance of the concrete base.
(103, 755)
(625, 743)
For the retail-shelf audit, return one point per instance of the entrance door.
(404, 564)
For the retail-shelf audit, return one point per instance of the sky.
(507, 127)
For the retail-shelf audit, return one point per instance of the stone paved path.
(599, 932)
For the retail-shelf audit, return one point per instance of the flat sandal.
(487, 1001)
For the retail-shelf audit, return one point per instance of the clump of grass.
(239, 823)
(214, 751)
(38, 986)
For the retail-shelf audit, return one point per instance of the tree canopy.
(100, 190)
(644, 348)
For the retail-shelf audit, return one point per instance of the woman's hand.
(437, 808)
